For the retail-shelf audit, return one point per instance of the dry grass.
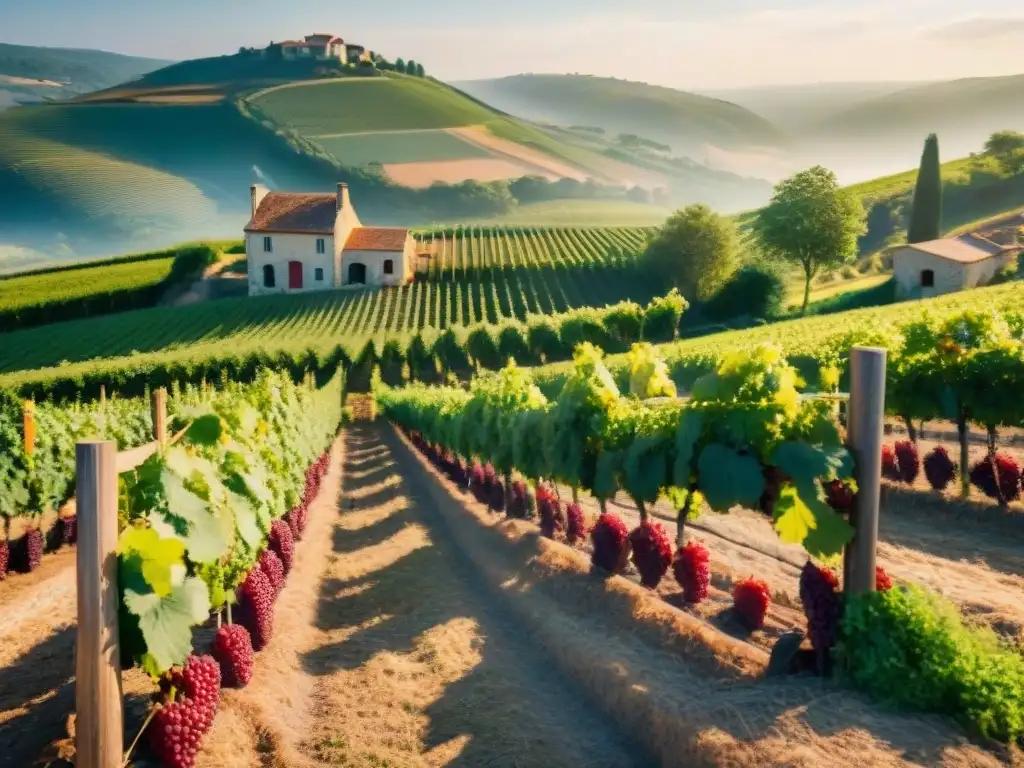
(682, 706)
(535, 160)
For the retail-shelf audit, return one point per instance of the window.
(269, 281)
(321, 246)
(268, 245)
(318, 274)
(389, 267)
(927, 278)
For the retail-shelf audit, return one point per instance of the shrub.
(662, 316)
(544, 341)
(939, 468)
(911, 648)
(754, 290)
(512, 344)
(908, 464)
(611, 543)
(623, 324)
(849, 272)
(652, 552)
(983, 475)
(483, 349)
(576, 524)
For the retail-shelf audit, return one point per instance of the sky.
(696, 44)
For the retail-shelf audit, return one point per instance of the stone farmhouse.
(949, 264)
(302, 242)
(322, 46)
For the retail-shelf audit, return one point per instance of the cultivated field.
(475, 277)
(388, 147)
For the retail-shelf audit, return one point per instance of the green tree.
(410, 67)
(1007, 147)
(696, 250)
(400, 64)
(810, 221)
(420, 72)
(926, 211)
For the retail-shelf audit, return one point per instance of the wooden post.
(867, 414)
(103, 396)
(28, 415)
(159, 402)
(99, 725)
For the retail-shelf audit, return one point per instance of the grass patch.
(404, 147)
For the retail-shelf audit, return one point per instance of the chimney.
(256, 194)
(343, 203)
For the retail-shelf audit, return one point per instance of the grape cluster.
(272, 567)
(652, 552)
(840, 496)
(496, 497)
(908, 464)
(296, 519)
(255, 609)
(282, 542)
(175, 732)
(232, 648)
(28, 551)
(983, 475)
(939, 468)
(457, 473)
(890, 465)
(199, 681)
(610, 537)
(883, 582)
(549, 510)
(477, 482)
(69, 529)
(517, 504)
(751, 598)
(692, 569)
(576, 523)
(823, 604)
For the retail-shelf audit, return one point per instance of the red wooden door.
(294, 274)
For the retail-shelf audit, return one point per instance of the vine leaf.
(687, 434)
(830, 535)
(806, 463)
(206, 535)
(646, 468)
(145, 554)
(166, 622)
(609, 463)
(729, 478)
(794, 520)
(206, 430)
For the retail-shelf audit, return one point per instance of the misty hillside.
(682, 120)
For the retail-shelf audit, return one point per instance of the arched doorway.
(357, 273)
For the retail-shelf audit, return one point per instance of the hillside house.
(949, 264)
(301, 242)
(320, 46)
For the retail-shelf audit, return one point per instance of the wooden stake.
(867, 413)
(99, 707)
(159, 403)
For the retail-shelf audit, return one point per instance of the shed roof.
(965, 249)
(293, 212)
(377, 239)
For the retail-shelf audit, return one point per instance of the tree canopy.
(810, 221)
(926, 213)
(1007, 147)
(696, 250)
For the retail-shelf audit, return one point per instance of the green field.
(474, 277)
(32, 290)
(582, 213)
(399, 147)
(318, 108)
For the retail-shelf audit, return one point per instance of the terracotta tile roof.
(376, 239)
(320, 38)
(966, 249)
(295, 212)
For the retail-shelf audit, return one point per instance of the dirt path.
(416, 662)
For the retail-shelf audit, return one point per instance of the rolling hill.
(170, 156)
(684, 121)
(32, 73)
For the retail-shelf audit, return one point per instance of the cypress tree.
(926, 213)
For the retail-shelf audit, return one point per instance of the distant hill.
(682, 120)
(33, 73)
(794, 108)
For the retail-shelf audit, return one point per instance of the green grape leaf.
(806, 463)
(606, 483)
(830, 535)
(687, 434)
(206, 430)
(793, 519)
(646, 468)
(246, 520)
(144, 554)
(166, 622)
(206, 534)
(728, 478)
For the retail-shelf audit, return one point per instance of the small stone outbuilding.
(949, 264)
